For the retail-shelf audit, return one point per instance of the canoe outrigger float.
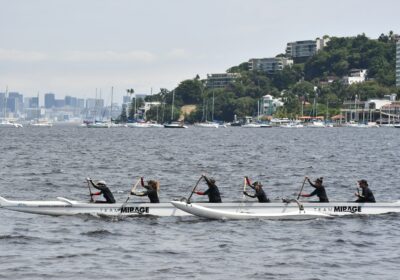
(229, 210)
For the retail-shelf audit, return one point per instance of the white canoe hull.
(64, 206)
(243, 214)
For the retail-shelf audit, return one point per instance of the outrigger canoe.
(64, 206)
(243, 214)
(288, 210)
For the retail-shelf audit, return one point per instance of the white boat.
(98, 125)
(284, 211)
(360, 125)
(139, 125)
(317, 124)
(41, 123)
(207, 125)
(244, 214)
(63, 206)
(292, 125)
(156, 125)
(175, 125)
(7, 123)
(251, 125)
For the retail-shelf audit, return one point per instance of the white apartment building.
(355, 76)
(305, 49)
(270, 104)
(269, 65)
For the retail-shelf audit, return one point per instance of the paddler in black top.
(319, 190)
(259, 192)
(151, 191)
(104, 190)
(366, 194)
(212, 191)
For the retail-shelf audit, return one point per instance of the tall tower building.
(49, 100)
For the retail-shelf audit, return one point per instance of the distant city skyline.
(73, 47)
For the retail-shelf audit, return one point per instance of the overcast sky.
(72, 47)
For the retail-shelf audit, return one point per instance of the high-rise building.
(93, 103)
(31, 102)
(70, 101)
(126, 99)
(15, 102)
(301, 50)
(398, 63)
(220, 80)
(269, 65)
(80, 103)
(49, 100)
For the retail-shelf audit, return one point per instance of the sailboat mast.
(212, 113)
(5, 103)
(38, 109)
(172, 107)
(111, 109)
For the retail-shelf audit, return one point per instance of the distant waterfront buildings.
(49, 100)
(220, 80)
(301, 50)
(398, 63)
(269, 65)
(270, 104)
(355, 76)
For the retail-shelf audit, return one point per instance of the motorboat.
(98, 124)
(7, 123)
(139, 125)
(292, 125)
(207, 124)
(175, 125)
(41, 123)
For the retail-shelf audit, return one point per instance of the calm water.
(42, 163)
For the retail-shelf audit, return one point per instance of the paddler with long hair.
(151, 191)
(366, 194)
(259, 192)
(319, 190)
(213, 192)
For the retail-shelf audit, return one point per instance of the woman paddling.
(151, 191)
(319, 190)
(103, 189)
(213, 192)
(259, 192)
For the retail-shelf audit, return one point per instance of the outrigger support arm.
(299, 204)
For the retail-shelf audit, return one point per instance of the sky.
(73, 47)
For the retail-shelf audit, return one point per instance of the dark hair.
(364, 182)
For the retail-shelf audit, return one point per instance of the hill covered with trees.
(319, 77)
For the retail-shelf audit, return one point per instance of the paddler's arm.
(145, 193)
(249, 195)
(309, 195)
(311, 184)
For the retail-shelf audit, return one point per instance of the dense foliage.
(299, 86)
